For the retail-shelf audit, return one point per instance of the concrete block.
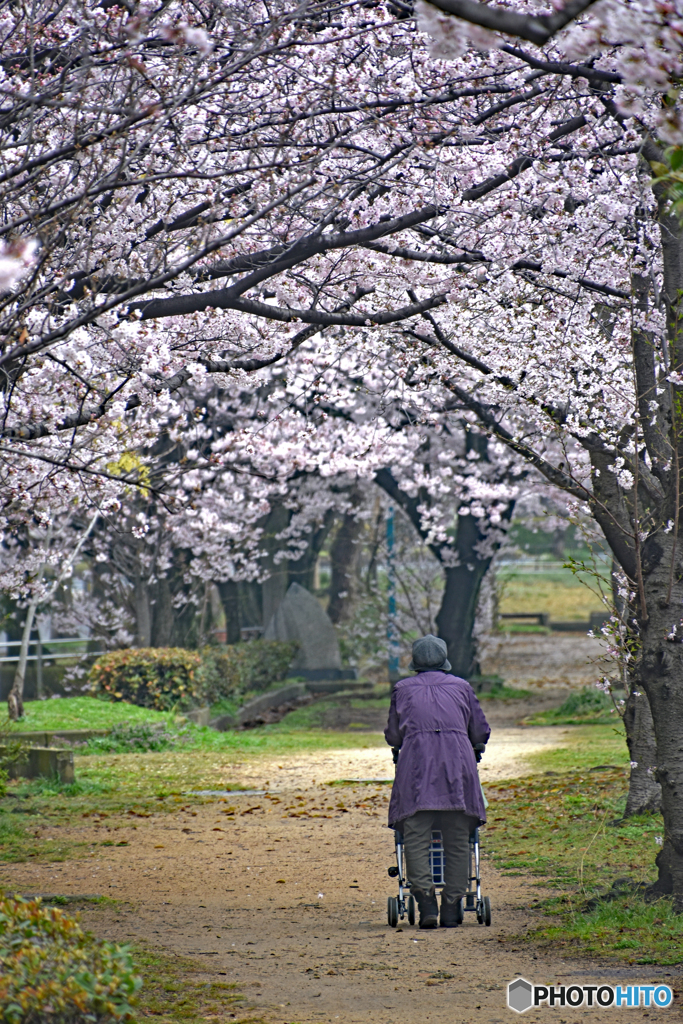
(200, 716)
(44, 763)
(250, 712)
(223, 723)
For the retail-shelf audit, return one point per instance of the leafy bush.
(54, 973)
(138, 737)
(160, 678)
(238, 668)
(585, 702)
(586, 707)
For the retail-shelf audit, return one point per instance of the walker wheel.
(487, 911)
(392, 911)
(411, 910)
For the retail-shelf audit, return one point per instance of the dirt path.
(505, 759)
(285, 894)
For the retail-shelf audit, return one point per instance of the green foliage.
(586, 706)
(129, 737)
(165, 678)
(669, 174)
(161, 678)
(241, 668)
(54, 973)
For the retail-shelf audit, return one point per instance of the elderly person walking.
(435, 719)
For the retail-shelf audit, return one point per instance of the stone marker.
(300, 617)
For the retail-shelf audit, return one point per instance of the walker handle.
(395, 753)
(479, 750)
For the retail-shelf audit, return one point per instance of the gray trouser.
(455, 827)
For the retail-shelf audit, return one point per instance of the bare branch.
(537, 28)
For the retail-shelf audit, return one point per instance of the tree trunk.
(15, 700)
(143, 613)
(275, 584)
(660, 670)
(162, 615)
(644, 792)
(231, 606)
(302, 570)
(343, 556)
(456, 617)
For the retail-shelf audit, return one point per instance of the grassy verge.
(563, 827)
(587, 707)
(81, 713)
(177, 991)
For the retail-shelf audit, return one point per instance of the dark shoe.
(451, 913)
(428, 907)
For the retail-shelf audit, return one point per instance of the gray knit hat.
(429, 654)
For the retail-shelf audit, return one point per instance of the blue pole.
(392, 632)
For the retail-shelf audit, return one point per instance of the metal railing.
(42, 654)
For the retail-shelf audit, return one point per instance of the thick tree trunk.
(162, 615)
(456, 617)
(660, 670)
(275, 584)
(644, 792)
(302, 570)
(343, 556)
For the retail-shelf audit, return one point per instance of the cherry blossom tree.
(194, 192)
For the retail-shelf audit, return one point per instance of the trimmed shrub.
(240, 668)
(138, 737)
(152, 677)
(54, 973)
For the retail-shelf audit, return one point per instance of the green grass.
(564, 828)
(628, 929)
(117, 785)
(177, 990)
(583, 748)
(81, 713)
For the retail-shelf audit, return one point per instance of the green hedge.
(235, 669)
(151, 677)
(54, 973)
(168, 677)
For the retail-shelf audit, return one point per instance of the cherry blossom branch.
(536, 28)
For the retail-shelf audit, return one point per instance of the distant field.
(558, 594)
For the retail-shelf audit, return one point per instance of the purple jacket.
(435, 719)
